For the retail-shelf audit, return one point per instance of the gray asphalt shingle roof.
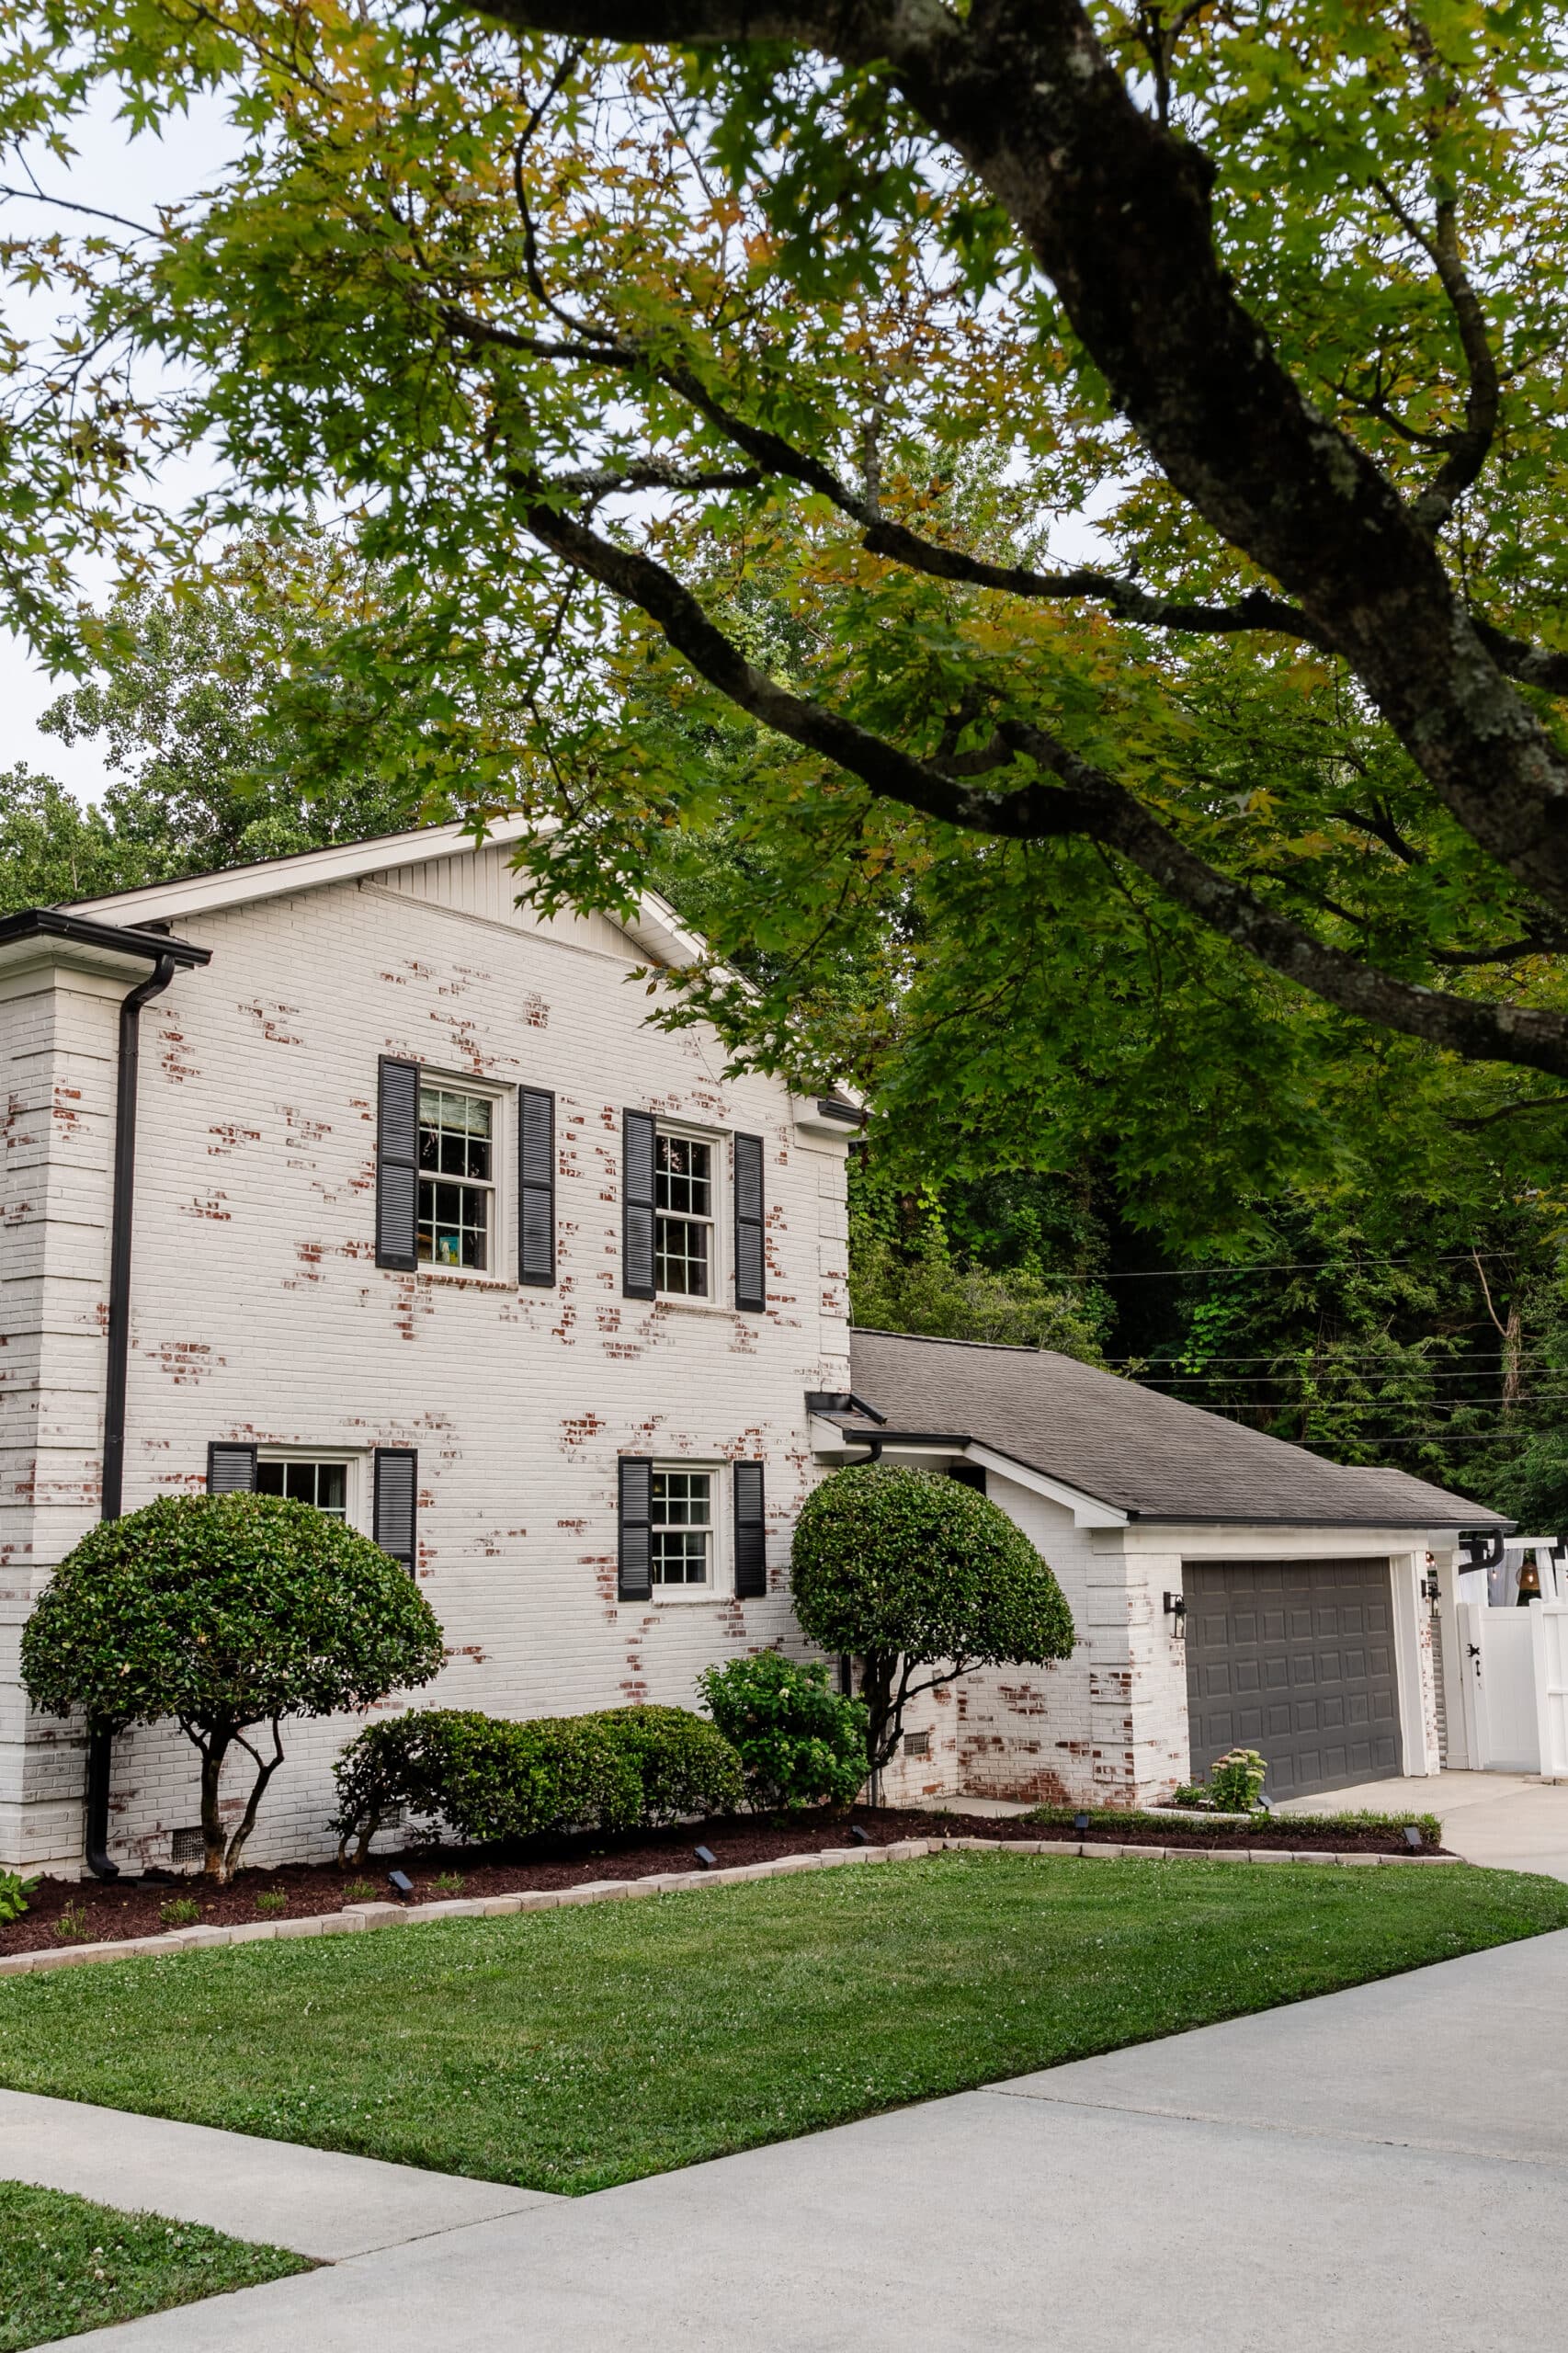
(1148, 1454)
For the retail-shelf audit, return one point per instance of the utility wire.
(1273, 1266)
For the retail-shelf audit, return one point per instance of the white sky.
(132, 177)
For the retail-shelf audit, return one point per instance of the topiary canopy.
(225, 1611)
(904, 1569)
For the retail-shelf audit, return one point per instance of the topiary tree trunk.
(220, 1850)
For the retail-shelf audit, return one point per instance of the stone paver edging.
(359, 1916)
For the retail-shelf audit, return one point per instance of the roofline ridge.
(997, 1347)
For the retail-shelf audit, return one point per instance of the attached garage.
(1295, 1658)
(1228, 1590)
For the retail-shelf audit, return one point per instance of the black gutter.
(169, 956)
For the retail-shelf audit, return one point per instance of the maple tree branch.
(1468, 450)
(1085, 801)
(1116, 211)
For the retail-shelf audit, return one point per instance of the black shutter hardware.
(397, 1165)
(636, 1582)
(393, 1507)
(231, 1470)
(637, 1205)
(535, 1186)
(751, 1267)
(751, 1533)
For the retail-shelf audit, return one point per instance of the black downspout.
(100, 1743)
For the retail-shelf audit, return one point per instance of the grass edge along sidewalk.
(595, 2044)
(355, 1916)
(68, 2265)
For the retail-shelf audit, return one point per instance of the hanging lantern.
(1529, 1582)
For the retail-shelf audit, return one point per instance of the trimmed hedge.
(491, 1780)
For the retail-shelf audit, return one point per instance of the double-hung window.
(683, 1216)
(680, 1534)
(457, 1177)
(324, 1484)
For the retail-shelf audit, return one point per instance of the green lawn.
(570, 2050)
(67, 2265)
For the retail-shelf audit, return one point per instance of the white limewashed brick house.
(431, 1228)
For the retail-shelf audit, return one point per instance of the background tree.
(917, 1575)
(227, 1613)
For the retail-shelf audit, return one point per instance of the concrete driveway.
(1510, 1822)
(1383, 2167)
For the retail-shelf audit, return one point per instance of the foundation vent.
(189, 1846)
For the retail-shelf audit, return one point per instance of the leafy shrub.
(491, 1780)
(179, 1912)
(71, 1927)
(799, 1742)
(225, 1612)
(360, 1891)
(271, 1901)
(1235, 1781)
(906, 1570)
(14, 1893)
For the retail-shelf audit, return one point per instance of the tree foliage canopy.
(1078, 487)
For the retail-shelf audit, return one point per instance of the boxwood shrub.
(799, 1742)
(490, 1780)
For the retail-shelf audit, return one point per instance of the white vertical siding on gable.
(485, 884)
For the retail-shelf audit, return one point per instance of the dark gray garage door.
(1294, 1658)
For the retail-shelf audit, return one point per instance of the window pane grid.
(322, 1484)
(455, 1179)
(680, 1534)
(683, 1225)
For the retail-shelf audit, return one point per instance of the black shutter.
(393, 1515)
(636, 1510)
(535, 1186)
(968, 1475)
(637, 1205)
(751, 1268)
(397, 1164)
(751, 1533)
(231, 1470)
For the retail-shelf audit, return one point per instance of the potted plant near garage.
(229, 1613)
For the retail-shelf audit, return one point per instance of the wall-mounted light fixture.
(1175, 1610)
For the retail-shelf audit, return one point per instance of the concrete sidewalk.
(1509, 1821)
(1387, 2167)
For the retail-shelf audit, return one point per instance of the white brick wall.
(259, 1314)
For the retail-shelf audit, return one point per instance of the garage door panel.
(1295, 1659)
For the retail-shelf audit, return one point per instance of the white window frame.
(715, 1296)
(498, 1255)
(676, 1596)
(357, 1485)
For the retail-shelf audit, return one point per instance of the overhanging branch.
(1086, 802)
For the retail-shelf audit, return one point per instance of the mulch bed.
(132, 1908)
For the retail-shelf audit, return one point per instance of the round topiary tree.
(225, 1612)
(913, 1573)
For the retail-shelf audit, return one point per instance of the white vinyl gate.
(1514, 1687)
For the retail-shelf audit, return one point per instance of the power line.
(1273, 1266)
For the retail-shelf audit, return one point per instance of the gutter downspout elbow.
(123, 1199)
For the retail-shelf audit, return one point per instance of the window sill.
(462, 1279)
(668, 1598)
(672, 1305)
